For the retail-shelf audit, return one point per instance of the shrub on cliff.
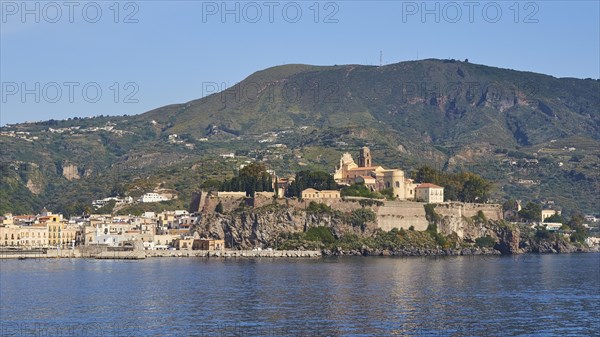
(219, 208)
(480, 217)
(485, 242)
(350, 241)
(439, 238)
(318, 208)
(430, 213)
(542, 234)
(360, 190)
(321, 233)
(360, 217)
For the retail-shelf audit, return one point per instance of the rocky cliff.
(456, 230)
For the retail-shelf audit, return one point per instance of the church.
(375, 178)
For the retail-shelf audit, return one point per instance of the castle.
(375, 178)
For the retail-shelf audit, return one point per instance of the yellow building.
(546, 213)
(430, 193)
(7, 219)
(61, 234)
(186, 243)
(35, 236)
(350, 173)
(10, 235)
(209, 244)
(311, 193)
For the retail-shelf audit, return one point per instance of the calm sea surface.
(533, 295)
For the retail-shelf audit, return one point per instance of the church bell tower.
(364, 157)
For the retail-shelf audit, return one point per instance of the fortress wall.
(398, 214)
(393, 214)
(454, 214)
(460, 209)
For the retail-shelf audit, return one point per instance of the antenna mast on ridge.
(380, 58)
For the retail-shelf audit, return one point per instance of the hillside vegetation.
(534, 136)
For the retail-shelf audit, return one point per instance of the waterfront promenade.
(142, 254)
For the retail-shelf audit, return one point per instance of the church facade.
(374, 177)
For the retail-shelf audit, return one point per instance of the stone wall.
(457, 218)
(401, 214)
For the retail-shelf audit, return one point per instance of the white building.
(546, 213)
(430, 193)
(552, 226)
(152, 197)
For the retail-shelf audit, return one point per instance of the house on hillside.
(311, 193)
(429, 193)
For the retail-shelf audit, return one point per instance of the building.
(209, 244)
(552, 226)
(185, 243)
(546, 213)
(231, 194)
(311, 193)
(10, 235)
(368, 181)
(374, 177)
(280, 185)
(264, 194)
(152, 197)
(429, 193)
(35, 236)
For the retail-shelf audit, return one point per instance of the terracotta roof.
(365, 168)
(428, 185)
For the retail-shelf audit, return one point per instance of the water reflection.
(554, 295)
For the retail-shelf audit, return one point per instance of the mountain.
(535, 136)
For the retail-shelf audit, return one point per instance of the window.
(397, 184)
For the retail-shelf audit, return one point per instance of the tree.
(509, 205)
(118, 190)
(360, 190)
(318, 180)
(576, 220)
(531, 212)
(211, 185)
(576, 224)
(475, 189)
(250, 179)
(463, 186)
(555, 218)
(253, 170)
(427, 174)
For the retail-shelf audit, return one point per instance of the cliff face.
(250, 228)
(468, 221)
(509, 239)
(458, 228)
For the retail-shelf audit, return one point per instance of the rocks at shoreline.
(410, 252)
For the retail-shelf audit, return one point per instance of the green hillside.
(536, 136)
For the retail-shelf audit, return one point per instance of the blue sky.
(91, 58)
